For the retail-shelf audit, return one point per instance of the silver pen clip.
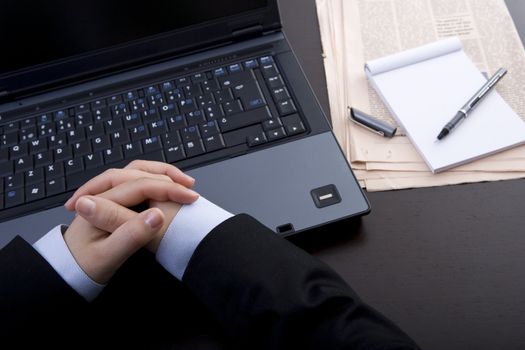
(368, 122)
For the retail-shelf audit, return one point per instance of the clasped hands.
(105, 232)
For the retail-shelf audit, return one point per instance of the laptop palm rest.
(274, 185)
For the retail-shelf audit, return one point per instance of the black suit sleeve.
(269, 293)
(32, 294)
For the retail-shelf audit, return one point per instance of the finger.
(107, 180)
(163, 168)
(135, 192)
(102, 213)
(133, 235)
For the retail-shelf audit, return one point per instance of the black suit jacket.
(263, 291)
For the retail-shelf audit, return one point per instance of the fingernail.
(86, 206)
(67, 203)
(153, 219)
(191, 179)
(195, 194)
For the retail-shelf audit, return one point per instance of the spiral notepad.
(424, 88)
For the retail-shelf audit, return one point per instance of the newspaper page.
(355, 31)
(382, 27)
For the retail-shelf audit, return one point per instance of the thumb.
(133, 235)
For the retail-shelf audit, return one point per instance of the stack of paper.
(356, 31)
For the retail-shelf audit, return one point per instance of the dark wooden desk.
(447, 264)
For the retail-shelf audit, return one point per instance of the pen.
(473, 102)
(371, 123)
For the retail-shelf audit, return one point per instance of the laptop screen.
(36, 32)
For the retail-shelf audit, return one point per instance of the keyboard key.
(280, 94)
(151, 144)
(63, 153)
(152, 90)
(194, 148)
(213, 143)
(13, 197)
(113, 100)
(93, 160)
(130, 95)
(250, 95)
(74, 166)
(190, 133)
(244, 119)
(82, 148)
(28, 123)
(113, 155)
(10, 139)
(83, 119)
(150, 115)
(272, 124)
(286, 107)
(60, 115)
(157, 127)
(13, 181)
(251, 64)
(138, 133)
(198, 77)
(174, 153)
(18, 151)
(234, 68)
(237, 79)
(232, 107)
(167, 86)
(54, 171)
(43, 159)
(4, 155)
(34, 176)
(55, 186)
(101, 143)
(266, 60)
(219, 72)
(132, 150)
(38, 145)
(269, 70)
(113, 125)
(94, 130)
(256, 140)
(275, 134)
(28, 134)
(120, 137)
(177, 122)
(209, 128)
(11, 127)
(195, 117)
(171, 139)
(23, 163)
(132, 120)
(240, 136)
(35, 192)
(168, 110)
(6, 168)
(293, 129)
(213, 112)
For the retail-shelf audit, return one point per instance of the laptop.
(212, 87)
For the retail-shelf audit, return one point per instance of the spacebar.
(240, 120)
(76, 180)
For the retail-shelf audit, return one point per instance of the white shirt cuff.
(54, 249)
(192, 223)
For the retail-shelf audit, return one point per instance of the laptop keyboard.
(202, 116)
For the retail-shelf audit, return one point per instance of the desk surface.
(447, 264)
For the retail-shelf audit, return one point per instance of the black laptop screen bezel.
(103, 62)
